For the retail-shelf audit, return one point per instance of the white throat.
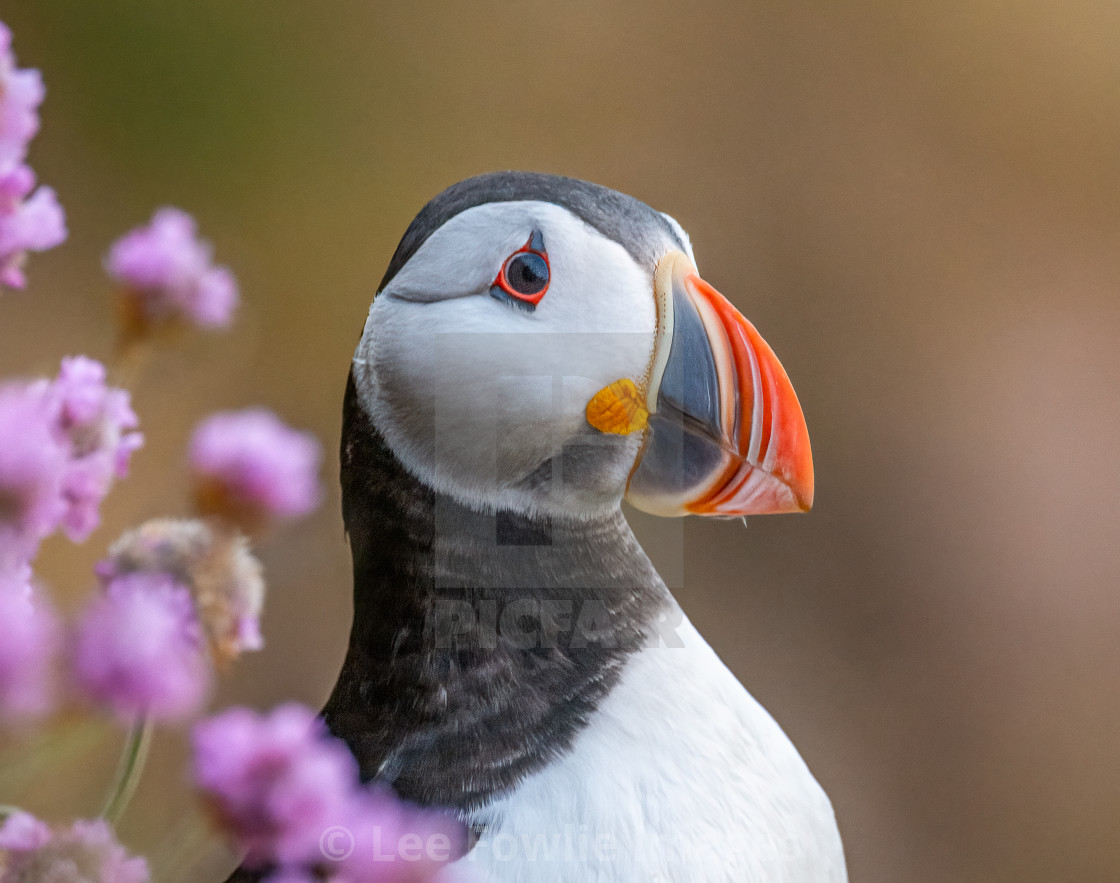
(485, 402)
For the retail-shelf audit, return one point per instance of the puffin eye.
(523, 279)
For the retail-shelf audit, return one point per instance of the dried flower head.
(168, 276)
(85, 852)
(223, 574)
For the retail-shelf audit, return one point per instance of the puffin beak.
(725, 433)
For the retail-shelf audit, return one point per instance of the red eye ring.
(525, 275)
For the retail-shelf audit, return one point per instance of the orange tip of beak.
(773, 471)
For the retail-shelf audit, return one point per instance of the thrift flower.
(420, 843)
(28, 222)
(98, 421)
(30, 639)
(138, 650)
(61, 445)
(249, 467)
(288, 794)
(86, 852)
(33, 466)
(22, 832)
(275, 782)
(223, 575)
(21, 93)
(168, 276)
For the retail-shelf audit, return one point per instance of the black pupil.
(527, 273)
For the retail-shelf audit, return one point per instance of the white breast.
(681, 776)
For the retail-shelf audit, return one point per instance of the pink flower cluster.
(30, 219)
(140, 651)
(175, 595)
(62, 443)
(289, 796)
(249, 466)
(168, 275)
(84, 852)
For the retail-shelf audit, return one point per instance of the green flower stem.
(6, 811)
(129, 770)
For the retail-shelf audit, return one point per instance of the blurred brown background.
(917, 204)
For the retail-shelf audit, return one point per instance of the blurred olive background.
(917, 204)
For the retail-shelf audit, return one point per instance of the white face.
(486, 401)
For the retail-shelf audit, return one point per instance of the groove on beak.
(726, 433)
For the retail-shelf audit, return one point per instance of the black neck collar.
(481, 644)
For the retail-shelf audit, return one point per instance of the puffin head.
(545, 345)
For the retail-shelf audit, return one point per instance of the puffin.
(539, 350)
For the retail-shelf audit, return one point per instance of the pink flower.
(289, 796)
(30, 639)
(86, 852)
(61, 445)
(97, 420)
(249, 466)
(168, 276)
(139, 650)
(275, 782)
(28, 221)
(395, 842)
(21, 93)
(33, 465)
(22, 832)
